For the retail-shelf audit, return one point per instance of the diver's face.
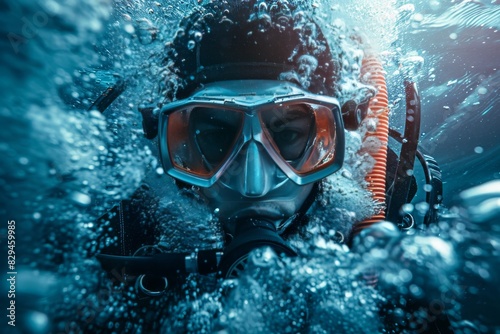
(254, 187)
(254, 148)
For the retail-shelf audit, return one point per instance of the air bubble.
(478, 149)
(347, 174)
(23, 161)
(80, 198)
(415, 290)
(129, 29)
(37, 322)
(418, 17)
(407, 208)
(422, 208)
(198, 36)
(482, 90)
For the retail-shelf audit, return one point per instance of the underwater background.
(63, 166)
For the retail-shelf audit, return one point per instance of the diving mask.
(202, 135)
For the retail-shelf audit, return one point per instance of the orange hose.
(378, 110)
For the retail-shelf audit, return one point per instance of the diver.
(251, 125)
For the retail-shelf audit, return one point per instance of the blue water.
(63, 166)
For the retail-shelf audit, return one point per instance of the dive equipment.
(434, 192)
(376, 137)
(354, 113)
(157, 272)
(250, 234)
(108, 96)
(248, 42)
(399, 191)
(302, 133)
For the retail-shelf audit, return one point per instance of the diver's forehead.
(248, 89)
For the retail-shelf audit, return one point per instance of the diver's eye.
(289, 129)
(215, 132)
(286, 136)
(214, 143)
(291, 142)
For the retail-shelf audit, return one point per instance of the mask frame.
(249, 96)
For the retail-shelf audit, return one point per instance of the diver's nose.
(255, 181)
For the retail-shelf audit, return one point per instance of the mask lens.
(290, 129)
(303, 135)
(200, 139)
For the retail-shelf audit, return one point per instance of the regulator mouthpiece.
(250, 234)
